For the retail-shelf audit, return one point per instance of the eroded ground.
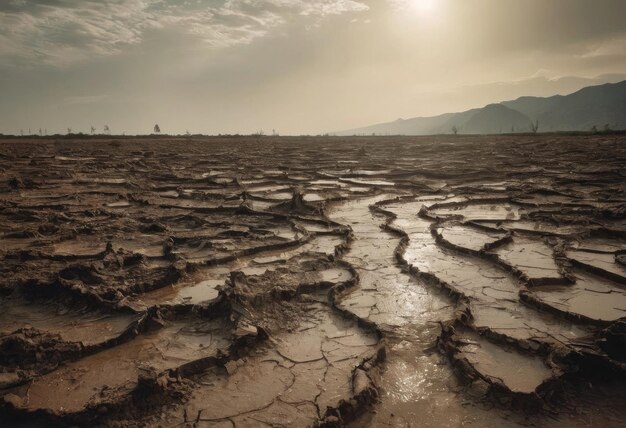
(398, 282)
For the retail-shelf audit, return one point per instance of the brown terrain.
(270, 282)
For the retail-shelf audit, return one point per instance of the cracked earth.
(383, 282)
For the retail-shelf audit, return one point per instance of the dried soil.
(399, 282)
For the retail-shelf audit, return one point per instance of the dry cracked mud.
(289, 282)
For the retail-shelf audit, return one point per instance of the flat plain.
(361, 281)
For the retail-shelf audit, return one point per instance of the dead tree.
(534, 126)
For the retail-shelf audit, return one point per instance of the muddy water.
(418, 387)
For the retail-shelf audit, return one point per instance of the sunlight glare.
(423, 6)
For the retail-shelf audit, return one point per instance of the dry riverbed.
(384, 282)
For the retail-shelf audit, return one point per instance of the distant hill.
(599, 106)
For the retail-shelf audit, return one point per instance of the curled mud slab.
(532, 260)
(313, 282)
(590, 297)
(107, 377)
(518, 372)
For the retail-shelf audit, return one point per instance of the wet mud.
(388, 282)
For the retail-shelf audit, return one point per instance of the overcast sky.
(297, 66)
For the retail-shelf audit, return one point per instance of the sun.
(422, 6)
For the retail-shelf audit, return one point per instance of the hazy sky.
(219, 66)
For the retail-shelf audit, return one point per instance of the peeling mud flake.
(148, 245)
(518, 372)
(533, 259)
(590, 297)
(110, 375)
(600, 245)
(119, 204)
(324, 244)
(528, 324)
(198, 288)
(313, 197)
(478, 211)
(367, 182)
(600, 263)
(80, 246)
(536, 227)
(72, 325)
(468, 238)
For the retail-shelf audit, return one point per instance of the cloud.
(613, 46)
(61, 32)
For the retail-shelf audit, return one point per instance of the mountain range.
(594, 107)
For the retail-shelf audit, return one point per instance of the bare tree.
(534, 126)
(157, 130)
(455, 130)
(93, 129)
(69, 131)
(40, 132)
(106, 129)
